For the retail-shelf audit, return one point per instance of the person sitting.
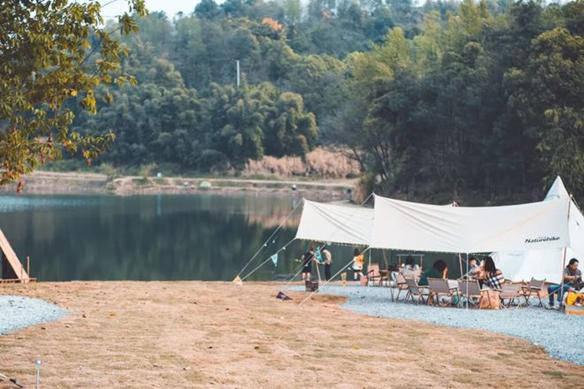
(491, 276)
(439, 269)
(474, 269)
(307, 259)
(358, 263)
(572, 277)
(410, 269)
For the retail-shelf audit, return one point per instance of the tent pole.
(561, 293)
(561, 290)
(466, 283)
(460, 264)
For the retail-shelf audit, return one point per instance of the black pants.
(327, 271)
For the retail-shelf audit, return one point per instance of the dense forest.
(446, 100)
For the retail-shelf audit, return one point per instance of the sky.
(170, 7)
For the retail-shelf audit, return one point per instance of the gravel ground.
(560, 335)
(18, 312)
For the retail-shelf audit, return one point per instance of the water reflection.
(161, 237)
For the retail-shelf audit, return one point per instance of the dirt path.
(197, 334)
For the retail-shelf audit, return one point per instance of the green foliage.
(226, 127)
(52, 52)
(548, 97)
(471, 99)
(476, 105)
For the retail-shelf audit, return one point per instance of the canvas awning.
(424, 227)
(335, 223)
(527, 240)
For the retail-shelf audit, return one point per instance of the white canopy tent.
(528, 240)
(545, 264)
(424, 227)
(342, 224)
(397, 224)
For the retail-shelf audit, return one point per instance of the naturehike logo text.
(542, 239)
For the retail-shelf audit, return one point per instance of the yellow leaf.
(73, 92)
(86, 44)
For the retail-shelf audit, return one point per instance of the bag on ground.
(490, 299)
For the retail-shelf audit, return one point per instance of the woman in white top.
(410, 269)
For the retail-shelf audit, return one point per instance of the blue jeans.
(553, 288)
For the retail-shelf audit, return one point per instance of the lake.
(160, 237)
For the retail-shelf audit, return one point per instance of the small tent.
(545, 264)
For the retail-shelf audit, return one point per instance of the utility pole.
(237, 71)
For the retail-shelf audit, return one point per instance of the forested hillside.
(479, 100)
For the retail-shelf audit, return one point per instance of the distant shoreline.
(52, 183)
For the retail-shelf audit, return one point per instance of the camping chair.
(535, 287)
(384, 277)
(474, 291)
(438, 287)
(373, 274)
(510, 292)
(400, 283)
(415, 292)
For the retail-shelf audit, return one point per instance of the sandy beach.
(199, 334)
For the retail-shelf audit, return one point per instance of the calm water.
(164, 237)
(201, 237)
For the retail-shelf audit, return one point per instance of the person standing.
(358, 263)
(328, 261)
(307, 263)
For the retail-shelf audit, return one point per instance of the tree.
(293, 11)
(238, 115)
(547, 95)
(207, 9)
(52, 52)
(290, 130)
(158, 121)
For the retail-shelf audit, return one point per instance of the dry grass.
(196, 334)
(324, 163)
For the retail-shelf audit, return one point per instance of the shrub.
(324, 163)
